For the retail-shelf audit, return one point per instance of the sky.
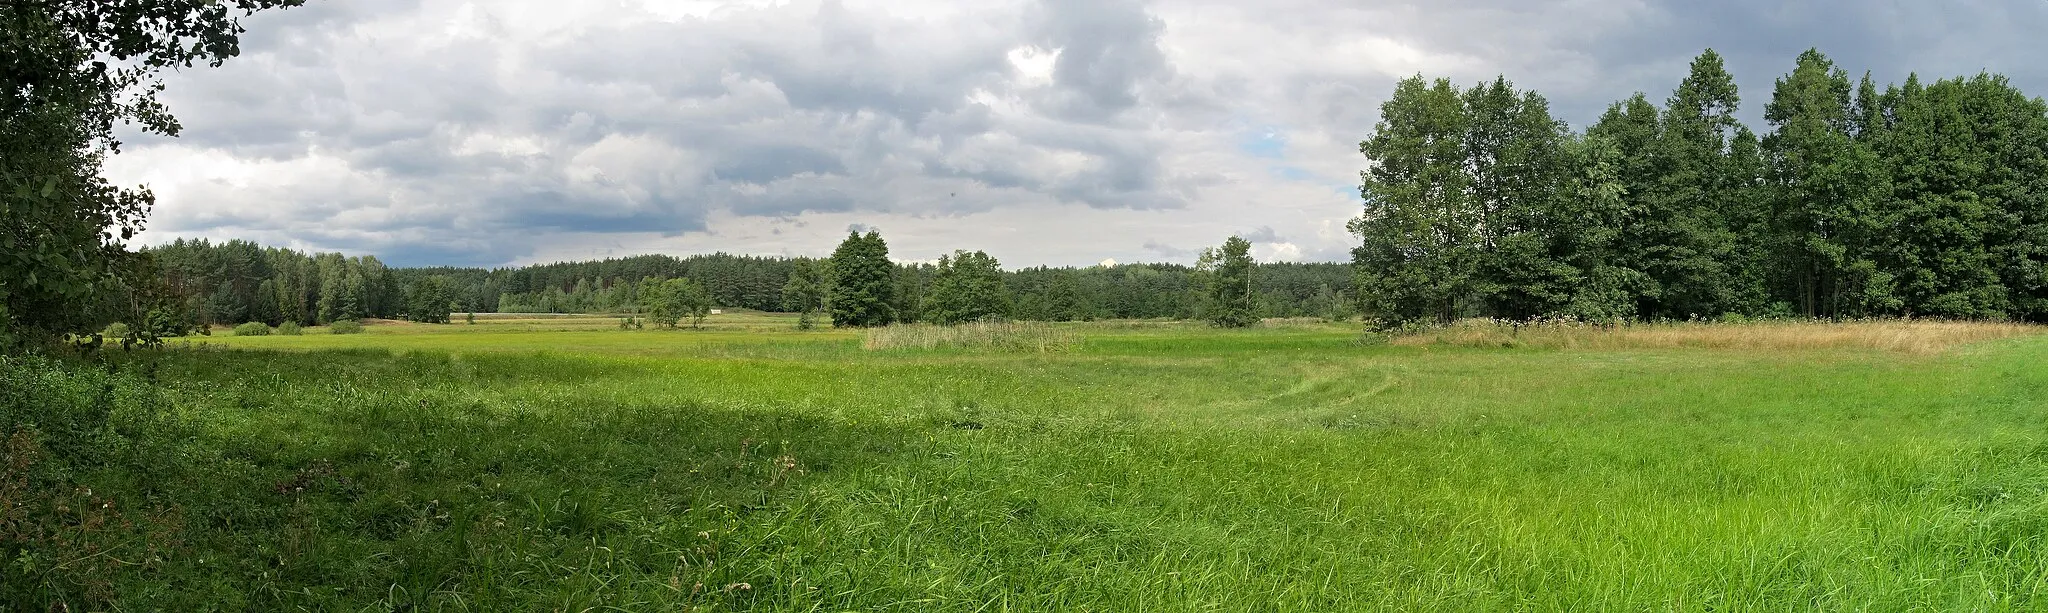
(1044, 132)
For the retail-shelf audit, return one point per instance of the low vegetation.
(1018, 337)
(1900, 335)
(346, 326)
(254, 328)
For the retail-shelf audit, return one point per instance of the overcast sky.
(1057, 132)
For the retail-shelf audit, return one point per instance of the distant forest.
(238, 281)
(1917, 200)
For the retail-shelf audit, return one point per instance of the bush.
(115, 331)
(346, 326)
(254, 328)
(290, 328)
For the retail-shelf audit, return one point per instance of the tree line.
(1916, 199)
(230, 282)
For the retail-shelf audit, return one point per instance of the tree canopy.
(966, 286)
(1914, 200)
(863, 282)
(69, 73)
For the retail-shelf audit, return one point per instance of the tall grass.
(1918, 337)
(1184, 468)
(1014, 337)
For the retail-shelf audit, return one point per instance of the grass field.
(562, 464)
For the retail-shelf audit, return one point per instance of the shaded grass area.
(1169, 468)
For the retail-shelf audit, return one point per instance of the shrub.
(254, 328)
(1019, 337)
(346, 326)
(290, 328)
(115, 331)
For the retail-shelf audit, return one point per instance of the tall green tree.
(1938, 173)
(804, 293)
(690, 300)
(1227, 298)
(1515, 155)
(967, 286)
(1688, 241)
(69, 72)
(669, 301)
(1420, 251)
(863, 282)
(1829, 209)
(428, 301)
(1063, 301)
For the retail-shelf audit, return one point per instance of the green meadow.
(524, 464)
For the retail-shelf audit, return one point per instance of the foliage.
(346, 326)
(236, 281)
(69, 72)
(1227, 293)
(1920, 200)
(862, 282)
(254, 328)
(428, 301)
(670, 301)
(966, 286)
(290, 328)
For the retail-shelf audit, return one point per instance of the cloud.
(1168, 252)
(1043, 131)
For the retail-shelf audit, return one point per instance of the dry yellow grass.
(1920, 337)
(1020, 337)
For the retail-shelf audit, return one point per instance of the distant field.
(563, 464)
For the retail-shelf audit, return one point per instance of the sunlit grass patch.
(1919, 337)
(1019, 337)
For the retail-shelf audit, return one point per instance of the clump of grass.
(346, 326)
(1016, 337)
(1919, 337)
(290, 328)
(254, 328)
